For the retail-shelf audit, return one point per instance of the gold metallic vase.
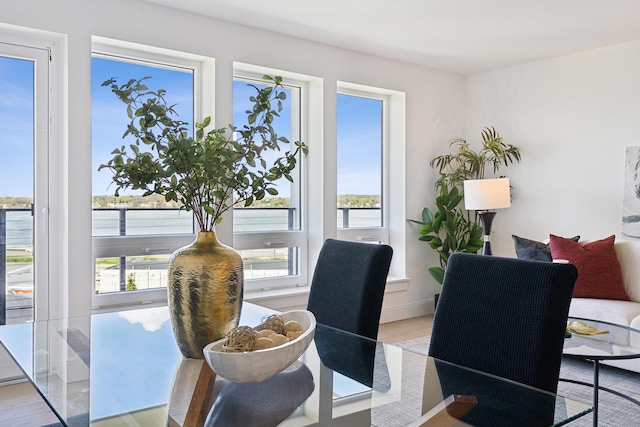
(205, 293)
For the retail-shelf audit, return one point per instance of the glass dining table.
(124, 368)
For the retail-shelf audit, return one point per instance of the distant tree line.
(156, 201)
(358, 201)
(344, 201)
(8, 202)
(153, 201)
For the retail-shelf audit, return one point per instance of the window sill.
(253, 296)
(396, 284)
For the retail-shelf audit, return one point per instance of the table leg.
(596, 389)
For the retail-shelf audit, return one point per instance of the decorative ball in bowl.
(256, 366)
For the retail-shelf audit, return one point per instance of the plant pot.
(204, 290)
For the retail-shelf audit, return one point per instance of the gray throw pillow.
(534, 250)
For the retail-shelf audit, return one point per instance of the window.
(270, 233)
(361, 144)
(131, 247)
(24, 84)
(134, 235)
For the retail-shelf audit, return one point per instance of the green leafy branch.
(210, 172)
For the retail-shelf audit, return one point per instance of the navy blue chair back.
(504, 316)
(348, 286)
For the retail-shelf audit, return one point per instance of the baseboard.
(406, 311)
(286, 300)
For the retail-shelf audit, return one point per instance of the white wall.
(434, 107)
(572, 117)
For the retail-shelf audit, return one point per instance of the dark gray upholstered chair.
(346, 293)
(504, 316)
(348, 286)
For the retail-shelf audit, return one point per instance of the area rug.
(614, 411)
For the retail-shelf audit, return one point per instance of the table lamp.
(484, 196)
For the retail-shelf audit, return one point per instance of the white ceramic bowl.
(259, 365)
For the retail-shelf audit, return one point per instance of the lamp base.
(487, 219)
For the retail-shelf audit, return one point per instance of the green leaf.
(426, 229)
(427, 215)
(436, 242)
(437, 223)
(455, 201)
(437, 273)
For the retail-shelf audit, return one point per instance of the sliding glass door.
(23, 178)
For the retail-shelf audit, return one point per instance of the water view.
(145, 272)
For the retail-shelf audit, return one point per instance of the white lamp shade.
(485, 194)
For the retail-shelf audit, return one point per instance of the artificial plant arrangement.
(207, 173)
(210, 172)
(452, 228)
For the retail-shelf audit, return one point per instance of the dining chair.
(346, 293)
(348, 285)
(488, 393)
(504, 316)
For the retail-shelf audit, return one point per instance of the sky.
(16, 127)
(109, 114)
(358, 125)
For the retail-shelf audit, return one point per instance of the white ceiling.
(463, 36)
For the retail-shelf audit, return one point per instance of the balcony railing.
(16, 277)
(16, 240)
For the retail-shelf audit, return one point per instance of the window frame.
(371, 234)
(289, 238)
(41, 56)
(127, 246)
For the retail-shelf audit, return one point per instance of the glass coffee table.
(618, 343)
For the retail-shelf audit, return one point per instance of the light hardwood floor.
(403, 330)
(21, 405)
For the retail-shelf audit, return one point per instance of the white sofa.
(619, 312)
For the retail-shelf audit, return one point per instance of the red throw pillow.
(599, 273)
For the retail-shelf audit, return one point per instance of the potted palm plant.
(207, 173)
(451, 228)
